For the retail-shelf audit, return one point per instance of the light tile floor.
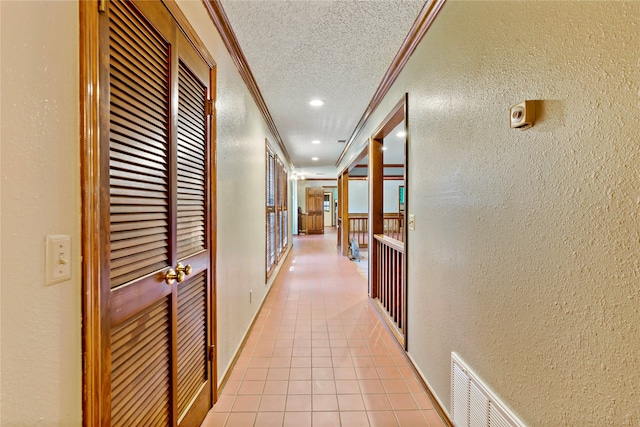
(319, 355)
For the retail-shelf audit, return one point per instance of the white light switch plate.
(412, 222)
(58, 259)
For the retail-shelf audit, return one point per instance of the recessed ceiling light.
(316, 102)
(316, 141)
(401, 134)
(384, 148)
(315, 159)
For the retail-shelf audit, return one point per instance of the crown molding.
(221, 22)
(416, 33)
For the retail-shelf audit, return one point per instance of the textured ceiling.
(337, 51)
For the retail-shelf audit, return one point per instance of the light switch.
(412, 222)
(58, 258)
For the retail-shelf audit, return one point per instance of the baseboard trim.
(437, 404)
(243, 342)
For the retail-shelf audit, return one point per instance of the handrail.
(389, 290)
(366, 215)
(390, 241)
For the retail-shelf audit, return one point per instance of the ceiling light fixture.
(401, 134)
(316, 141)
(315, 159)
(384, 148)
(316, 102)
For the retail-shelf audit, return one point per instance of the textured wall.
(41, 336)
(525, 255)
(241, 194)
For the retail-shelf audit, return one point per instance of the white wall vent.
(473, 404)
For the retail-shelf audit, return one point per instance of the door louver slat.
(190, 181)
(192, 339)
(122, 348)
(125, 226)
(143, 119)
(142, 60)
(136, 41)
(139, 88)
(124, 143)
(195, 158)
(139, 133)
(140, 361)
(188, 167)
(129, 158)
(191, 163)
(119, 167)
(124, 135)
(161, 189)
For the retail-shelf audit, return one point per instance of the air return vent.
(473, 404)
(342, 141)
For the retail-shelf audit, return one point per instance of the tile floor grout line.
(308, 305)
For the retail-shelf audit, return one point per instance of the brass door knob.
(172, 276)
(187, 269)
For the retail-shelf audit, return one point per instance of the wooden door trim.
(376, 211)
(344, 208)
(94, 311)
(92, 361)
(399, 113)
(213, 224)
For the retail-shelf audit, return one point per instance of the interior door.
(315, 210)
(156, 291)
(328, 209)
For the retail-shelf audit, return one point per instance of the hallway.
(318, 354)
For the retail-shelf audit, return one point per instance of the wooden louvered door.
(157, 291)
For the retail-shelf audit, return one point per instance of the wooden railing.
(390, 283)
(359, 227)
(394, 227)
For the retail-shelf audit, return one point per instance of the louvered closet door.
(192, 238)
(157, 148)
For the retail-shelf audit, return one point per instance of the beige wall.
(524, 259)
(241, 194)
(41, 350)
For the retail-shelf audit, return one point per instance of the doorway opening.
(389, 191)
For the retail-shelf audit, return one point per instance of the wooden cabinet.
(302, 223)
